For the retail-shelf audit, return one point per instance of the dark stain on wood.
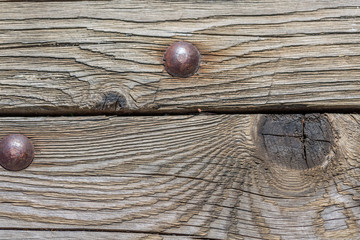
(112, 101)
(296, 141)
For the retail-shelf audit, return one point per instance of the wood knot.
(112, 101)
(296, 141)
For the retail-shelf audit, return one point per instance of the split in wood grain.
(296, 141)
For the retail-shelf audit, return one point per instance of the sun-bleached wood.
(187, 176)
(80, 57)
(46, 235)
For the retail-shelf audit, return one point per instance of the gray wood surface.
(195, 176)
(191, 176)
(51, 234)
(91, 57)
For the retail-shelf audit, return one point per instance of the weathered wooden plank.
(106, 56)
(22, 235)
(196, 176)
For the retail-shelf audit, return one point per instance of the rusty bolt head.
(16, 152)
(182, 59)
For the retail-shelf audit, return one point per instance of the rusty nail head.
(16, 152)
(182, 59)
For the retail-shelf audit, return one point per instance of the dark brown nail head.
(182, 59)
(16, 152)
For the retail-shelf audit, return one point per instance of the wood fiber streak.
(21, 235)
(177, 177)
(66, 57)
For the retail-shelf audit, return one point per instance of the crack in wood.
(296, 141)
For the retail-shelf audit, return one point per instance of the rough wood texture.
(25, 235)
(297, 141)
(106, 56)
(183, 176)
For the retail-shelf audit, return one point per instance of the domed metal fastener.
(182, 59)
(16, 152)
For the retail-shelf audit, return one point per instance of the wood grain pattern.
(91, 57)
(28, 234)
(195, 176)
